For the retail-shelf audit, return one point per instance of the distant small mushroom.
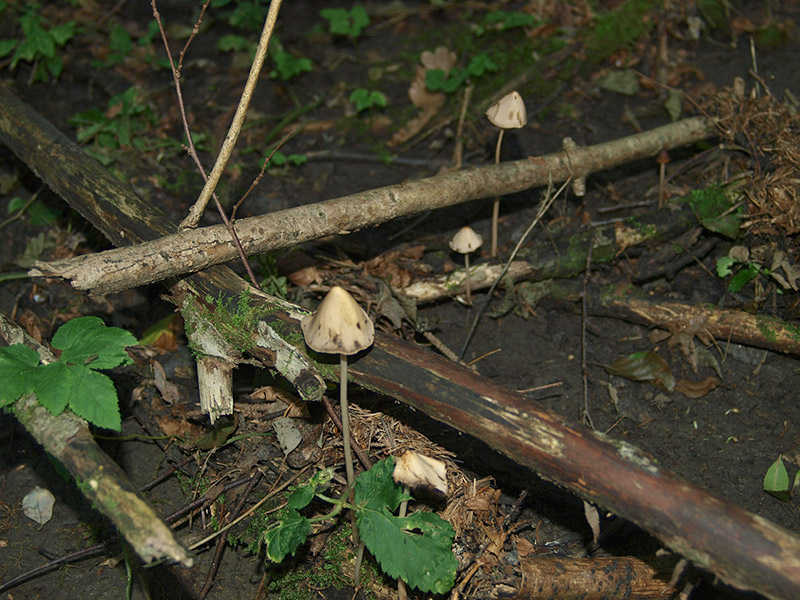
(340, 326)
(464, 242)
(507, 113)
(662, 159)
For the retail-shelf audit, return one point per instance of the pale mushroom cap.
(466, 241)
(508, 112)
(420, 471)
(340, 325)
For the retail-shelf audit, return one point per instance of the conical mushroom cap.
(466, 241)
(340, 325)
(508, 112)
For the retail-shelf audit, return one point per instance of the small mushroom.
(464, 242)
(662, 159)
(420, 472)
(340, 326)
(507, 113)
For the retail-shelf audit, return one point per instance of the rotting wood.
(168, 253)
(743, 549)
(99, 478)
(604, 578)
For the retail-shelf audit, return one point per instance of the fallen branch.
(194, 250)
(743, 549)
(100, 479)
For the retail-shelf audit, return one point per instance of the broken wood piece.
(99, 478)
(604, 578)
(743, 549)
(168, 253)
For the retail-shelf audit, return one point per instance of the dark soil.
(723, 441)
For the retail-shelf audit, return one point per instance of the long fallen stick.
(743, 549)
(168, 254)
(101, 480)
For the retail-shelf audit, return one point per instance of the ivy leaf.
(87, 341)
(416, 547)
(286, 536)
(17, 367)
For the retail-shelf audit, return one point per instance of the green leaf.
(61, 34)
(233, 43)
(40, 214)
(301, 497)
(480, 64)
(17, 365)
(416, 548)
(87, 341)
(15, 204)
(776, 480)
(6, 46)
(647, 367)
(740, 279)
(360, 19)
(118, 39)
(286, 536)
(724, 264)
(94, 398)
(53, 386)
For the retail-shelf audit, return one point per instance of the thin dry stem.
(193, 218)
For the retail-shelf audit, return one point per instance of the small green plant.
(38, 212)
(365, 99)
(503, 20)
(272, 282)
(73, 381)
(119, 45)
(741, 271)
(120, 126)
(287, 65)
(416, 548)
(39, 43)
(346, 22)
(437, 80)
(279, 159)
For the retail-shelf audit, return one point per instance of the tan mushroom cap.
(420, 471)
(340, 325)
(466, 241)
(508, 112)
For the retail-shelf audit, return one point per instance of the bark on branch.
(100, 479)
(191, 251)
(743, 549)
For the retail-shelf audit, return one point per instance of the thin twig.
(222, 541)
(228, 144)
(543, 207)
(587, 418)
(192, 151)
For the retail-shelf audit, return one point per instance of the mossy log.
(741, 548)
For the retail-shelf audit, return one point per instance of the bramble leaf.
(53, 386)
(87, 341)
(286, 536)
(416, 547)
(94, 398)
(17, 365)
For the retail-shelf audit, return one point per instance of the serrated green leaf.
(375, 488)
(87, 341)
(286, 536)
(17, 366)
(417, 547)
(53, 386)
(740, 279)
(776, 480)
(94, 398)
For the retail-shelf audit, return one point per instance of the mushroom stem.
(662, 173)
(348, 456)
(496, 205)
(466, 268)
